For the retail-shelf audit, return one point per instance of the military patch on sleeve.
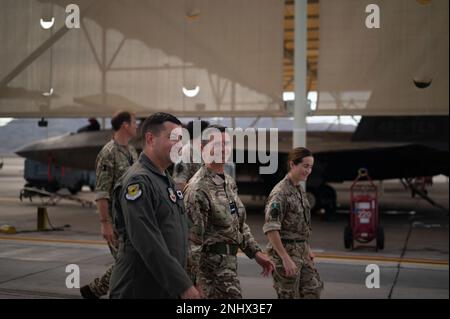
(274, 211)
(133, 192)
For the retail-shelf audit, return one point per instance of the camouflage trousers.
(306, 284)
(100, 286)
(218, 276)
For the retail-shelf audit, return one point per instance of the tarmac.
(413, 265)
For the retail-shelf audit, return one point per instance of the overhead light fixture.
(47, 94)
(422, 83)
(47, 24)
(191, 93)
(193, 15)
(288, 96)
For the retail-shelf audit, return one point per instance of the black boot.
(87, 293)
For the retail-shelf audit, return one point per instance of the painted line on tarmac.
(54, 240)
(383, 259)
(334, 258)
(14, 199)
(319, 255)
(27, 294)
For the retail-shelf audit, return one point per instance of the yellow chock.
(8, 229)
(42, 218)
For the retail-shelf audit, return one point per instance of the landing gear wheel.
(323, 198)
(327, 199)
(75, 188)
(52, 187)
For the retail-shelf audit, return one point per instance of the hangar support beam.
(300, 103)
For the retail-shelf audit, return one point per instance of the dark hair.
(119, 118)
(154, 123)
(297, 155)
(190, 128)
(213, 127)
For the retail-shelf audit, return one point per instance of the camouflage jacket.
(112, 162)
(288, 211)
(216, 215)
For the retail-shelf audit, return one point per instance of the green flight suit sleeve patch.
(133, 192)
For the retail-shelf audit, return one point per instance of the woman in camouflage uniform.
(288, 228)
(217, 224)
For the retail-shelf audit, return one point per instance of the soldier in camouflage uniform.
(112, 162)
(288, 227)
(184, 170)
(218, 229)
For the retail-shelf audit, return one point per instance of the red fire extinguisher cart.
(363, 224)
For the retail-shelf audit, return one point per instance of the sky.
(5, 120)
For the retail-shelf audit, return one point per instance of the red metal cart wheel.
(348, 237)
(380, 237)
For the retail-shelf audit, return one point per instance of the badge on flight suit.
(133, 192)
(180, 194)
(172, 195)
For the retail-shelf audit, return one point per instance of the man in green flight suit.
(150, 219)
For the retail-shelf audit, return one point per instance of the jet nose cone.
(34, 151)
(27, 149)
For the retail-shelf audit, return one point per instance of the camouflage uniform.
(183, 172)
(288, 211)
(112, 162)
(217, 229)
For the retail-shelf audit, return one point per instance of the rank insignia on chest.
(180, 194)
(133, 192)
(233, 208)
(172, 195)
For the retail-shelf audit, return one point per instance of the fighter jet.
(384, 152)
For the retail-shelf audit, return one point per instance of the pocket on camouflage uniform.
(311, 285)
(210, 263)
